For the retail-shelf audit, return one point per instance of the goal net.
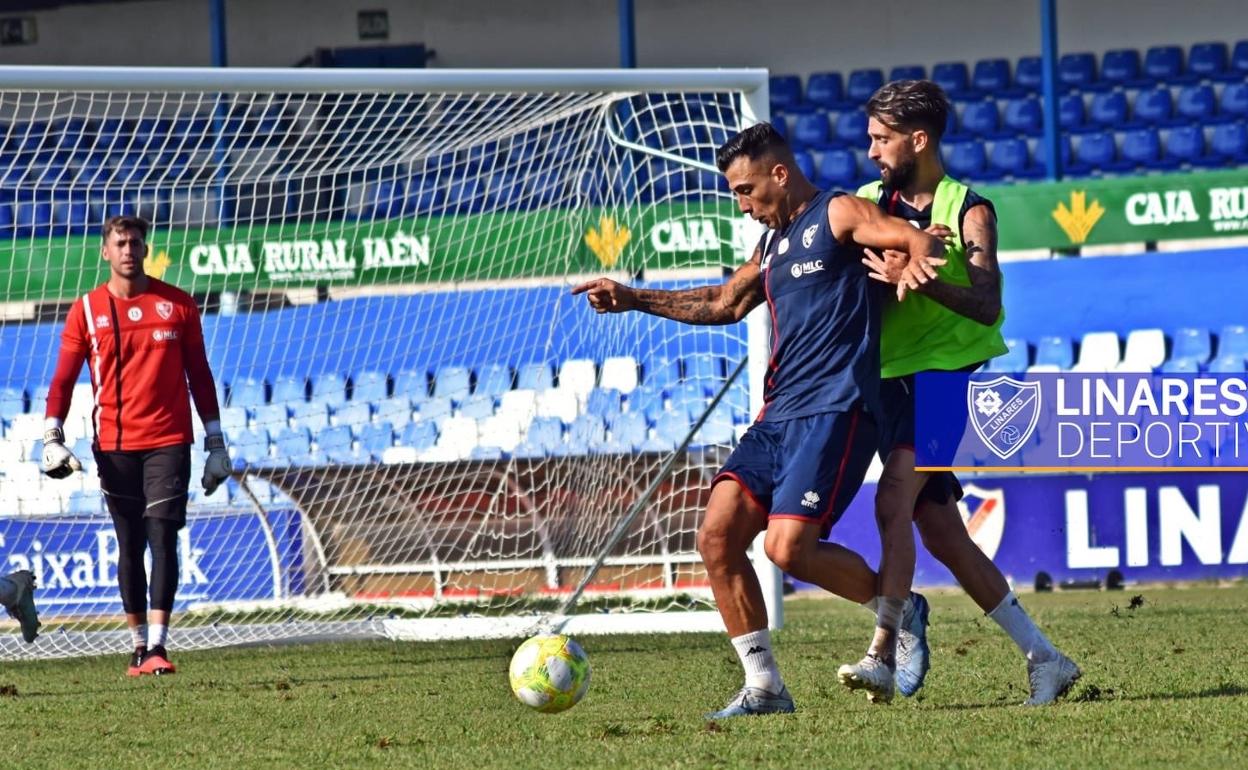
(431, 436)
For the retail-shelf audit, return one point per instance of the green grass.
(1165, 685)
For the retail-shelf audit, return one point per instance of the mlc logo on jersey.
(808, 235)
(806, 268)
(1003, 413)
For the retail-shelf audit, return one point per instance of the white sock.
(1011, 616)
(873, 604)
(157, 633)
(138, 635)
(754, 650)
(8, 592)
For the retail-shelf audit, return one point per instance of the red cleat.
(156, 662)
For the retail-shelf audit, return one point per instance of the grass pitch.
(1165, 684)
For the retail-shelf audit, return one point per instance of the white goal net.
(431, 437)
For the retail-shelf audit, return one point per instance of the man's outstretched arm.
(726, 303)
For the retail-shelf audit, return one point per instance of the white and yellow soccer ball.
(549, 673)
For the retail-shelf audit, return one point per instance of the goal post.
(430, 436)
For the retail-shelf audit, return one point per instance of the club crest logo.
(783, 248)
(164, 309)
(808, 235)
(1003, 413)
(983, 513)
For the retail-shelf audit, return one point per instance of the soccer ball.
(549, 673)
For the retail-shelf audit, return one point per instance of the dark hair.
(907, 105)
(125, 222)
(754, 142)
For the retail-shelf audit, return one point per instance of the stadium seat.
(452, 381)
(1192, 343)
(966, 160)
(1078, 71)
(12, 402)
(785, 92)
(369, 386)
(312, 415)
(838, 170)
(1142, 147)
(1227, 365)
(293, 444)
(233, 419)
(604, 402)
(545, 432)
(862, 84)
(647, 400)
(499, 431)
(1010, 157)
(1233, 341)
(412, 384)
(535, 376)
(71, 217)
(578, 375)
(907, 72)
(851, 129)
(1098, 352)
(518, 405)
(485, 453)
(811, 130)
(1154, 107)
(1180, 366)
(826, 90)
(246, 392)
(1186, 144)
(992, 77)
(558, 402)
(354, 414)
(661, 372)
(1145, 351)
(981, 119)
(32, 218)
(1229, 142)
(705, 369)
(330, 388)
(419, 435)
(718, 430)
(1163, 63)
(1121, 67)
(477, 406)
(396, 410)
(1096, 152)
(1108, 110)
(493, 380)
(620, 373)
(672, 427)
(437, 409)
(1054, 351)
(1207, 60)
(1196, 103)
(586, 432)
(630, 428)
(1237, 69)
(272, 417)
(1233, 105)
(289, 388)
(1071, 113)
(336, 444)
(954, 78)
(1024, 116)
(1013, 360)
(805, 163)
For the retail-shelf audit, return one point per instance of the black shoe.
(136, 661)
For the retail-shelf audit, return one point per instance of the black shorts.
(897, 431)
(153, 482)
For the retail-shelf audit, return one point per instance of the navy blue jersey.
(825, 319)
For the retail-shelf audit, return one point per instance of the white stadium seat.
(619, 372)
(1098, 352)
(578, 375)
(558, 402)
(1146, 351)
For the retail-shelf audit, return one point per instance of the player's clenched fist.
(607, 296)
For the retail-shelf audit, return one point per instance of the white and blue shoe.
(755, 701)
(870, 674)
(913, 654)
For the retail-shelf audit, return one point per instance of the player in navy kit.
(801, 462)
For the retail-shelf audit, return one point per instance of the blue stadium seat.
(1192, 343)
(1234, 102)
(246, 392)
(954, 78)
(1237, 70)
(1078, 71)
(838, 170)
(336, 444)
(376, 438)
(1029, 74)
(811, 129)
(465, 195)
(369, 386)
(1108, 110)
(1186, 144)
(545, 432)
(647, 400)
(32, 218)
(805, 162)
(354, 414)
(535, 376)
(981, 120)
(604, 402)
(484, 453)
(494, 379)
(586, 432)
(907, 72)
(479, 406)
(1054, 351)
(690, 398)
(1196, 103)
(1040, 154)
(1180, 366)
(1229, 142)
(436, 408)
(6, 218)
(862, 84)
(1016, 359)
(851, 129)
(1207, 60)
(706, 369)
(273, 416)
(233, 420)
(412, 383)
(419, 435)
(1096, 152)
(1071, 113)
(12, 402)
(72, 217)
(630, 428)
(785, 92)
(289, 388)
(329, 388)
(1227, 365)
(825, 89)
(251, 446)
(1142, 147)
(1164, 63)
(312, 415)
(661, 372)
(1233, 341)
(966, 160)
(672, 427)
(1024, 116)
(718, 430)
(1010, 157)
(1121, 67)
(452, 381)
(992, 77)
(1154, 107)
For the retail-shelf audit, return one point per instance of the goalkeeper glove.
(58, 461)
(217, 467)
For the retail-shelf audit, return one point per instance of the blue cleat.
(912, 650)
(754, 701)
(23, 607)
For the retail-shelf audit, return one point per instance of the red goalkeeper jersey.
(142, 352)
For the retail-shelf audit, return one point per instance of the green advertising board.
(556, 242)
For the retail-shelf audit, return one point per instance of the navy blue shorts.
(806, 468)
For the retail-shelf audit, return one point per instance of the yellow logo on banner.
(156, 263)
(608, 241)
(1078, 220)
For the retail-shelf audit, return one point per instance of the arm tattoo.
(981, 301)
(706, 305)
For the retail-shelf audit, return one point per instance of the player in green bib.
(950, 321)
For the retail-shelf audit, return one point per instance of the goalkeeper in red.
(144, 345)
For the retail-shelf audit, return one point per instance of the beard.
(901, 175)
